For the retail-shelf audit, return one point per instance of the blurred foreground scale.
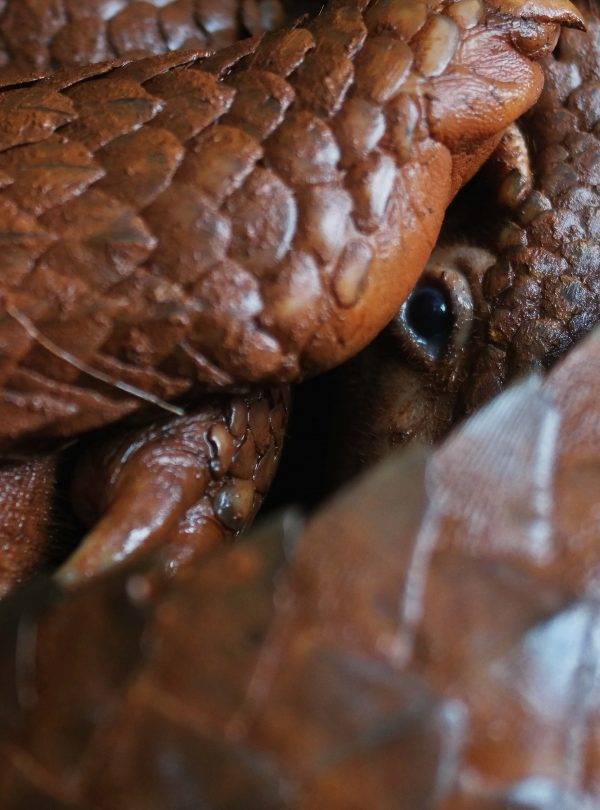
(429, 640)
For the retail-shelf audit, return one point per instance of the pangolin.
(214, 462)
(513, 283)
(188, 222)
(428, 640)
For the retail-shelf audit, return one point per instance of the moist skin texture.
(428, 641)
(180, 223)
(517, 262)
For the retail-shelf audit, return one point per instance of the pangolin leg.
(111, 289)
(189, 482)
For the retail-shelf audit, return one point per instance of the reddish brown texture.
(37, 513)
(429, 640)
(31, 529)
(165, 230)
(185, 485)
(130, 259)
(395, 652)
(524, 285)
(40, 36)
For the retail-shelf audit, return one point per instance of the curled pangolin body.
(428, 641)
(530, 279)
(205, 500)
(178, 223)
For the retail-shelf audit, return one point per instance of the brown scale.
(38, 516)
(517, 265)
(182, 223)
(429, 641)
(186, 484)
(40, 36)
(162, 217)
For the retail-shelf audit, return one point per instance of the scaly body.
(517, 266)
(428, 641)
(184, 223)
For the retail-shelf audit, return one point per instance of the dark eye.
(429, 318)
(429, 313)
(436, 321)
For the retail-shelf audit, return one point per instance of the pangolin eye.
(429, 314)
(435, 323)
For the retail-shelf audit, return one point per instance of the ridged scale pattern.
(199, 477)
(179, 222)
(429, 640)
(544, 291)
(522, 284)
(40, 36)
(186, 484)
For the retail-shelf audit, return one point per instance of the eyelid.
(410, 321)
(429, 352)
(458, 289)
(458, 271)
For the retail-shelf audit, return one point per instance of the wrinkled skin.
(517, 265)
(182, 223)
(429, 640)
